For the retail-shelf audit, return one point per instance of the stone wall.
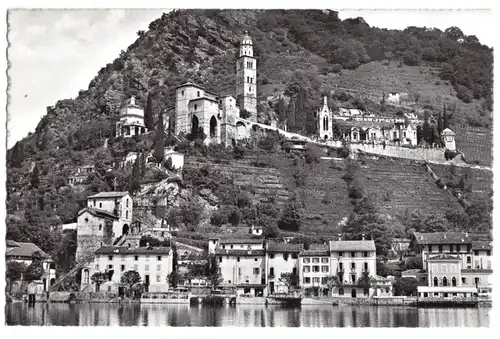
(427, 154)
(87, 245)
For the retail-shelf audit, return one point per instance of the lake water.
(244, 316)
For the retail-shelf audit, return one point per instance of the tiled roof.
(283, 247)
(352, 245)
(476, 270)
(240, 241)
(448, 237)
(444, 256)
(108, 195)
(365, 124)
(132, 250)
(316, 249)
(240, 253)
(12, 243)
(98, 213)
(481, 245)
(26, 249)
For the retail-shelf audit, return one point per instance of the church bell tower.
(246, 78)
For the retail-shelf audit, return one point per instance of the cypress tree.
(440, 124)
(142, 164)
(445, 118)
(17, 155)
(148, 115)
(35, 177)
(135, 178)
(291, 115)
(159, 143)
(426, 130)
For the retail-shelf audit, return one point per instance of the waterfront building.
(281, 258)
(153, 264)
(26, 253)
(315, 268)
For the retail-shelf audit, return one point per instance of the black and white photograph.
(217, 167)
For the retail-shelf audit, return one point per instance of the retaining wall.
(428, 154)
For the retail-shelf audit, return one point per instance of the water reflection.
(240, 316)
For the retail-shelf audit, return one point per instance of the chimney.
(363, 236)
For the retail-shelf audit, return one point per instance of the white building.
(176, 158)
(246, 78)
(448, 137)
(131, 120)
(281, 258)
(325, 121)
(153, 264)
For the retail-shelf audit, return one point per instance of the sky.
(55, 53)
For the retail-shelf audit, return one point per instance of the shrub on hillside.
(234, 217)
(269, 143)
(218, 218)
(291, 218)
(238, 152)
(313, 154)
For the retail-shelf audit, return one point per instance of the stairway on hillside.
(69, 274)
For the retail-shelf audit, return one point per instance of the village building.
(107, 217)
(176, 158)
(153, 264)
(242, 265)
(281, 258)
(81, 175)
(457, 264)
(448, 137)
(26, 253)
(246, 78)
(315, 268)
(131, 120)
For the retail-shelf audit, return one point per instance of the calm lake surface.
(244, 316)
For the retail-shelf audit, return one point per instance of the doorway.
(146, 283)
(271, 287)
(353, 293)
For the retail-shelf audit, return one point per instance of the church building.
(131, 120)
(325, 121)
(219, 117)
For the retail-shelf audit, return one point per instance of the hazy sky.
(56, 53)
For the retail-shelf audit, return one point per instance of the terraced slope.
(476, 143)
(399, 185)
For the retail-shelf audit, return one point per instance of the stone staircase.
(69, 274)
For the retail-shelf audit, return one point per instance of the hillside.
(294, 59)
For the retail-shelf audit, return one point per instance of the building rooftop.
(240, 253)
(98, 213)
(352, 245)
(316, 249)
(108, 195)
(131, 250)
(24, 249)
(240, 241)
(283, 247)
(449, 238)
(444, 256)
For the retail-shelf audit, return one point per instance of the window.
(488, 252)
(341, 267)
(238, 259)
(195, 107)
(256, 270)
(271, 271)
(198, 94)
(353, 266)
(110, 257)
(158, 267)
(122, 268)
(136, 257)
(127, 202)
(146, 268)
(295, 255)
(422, 280)
(110, 267)
(324, 260)
(440, 248)
(324, 269)
(136, 267)
(306, 260)
(341, 291)
(239, 270)
(476, 252)
(126, 214)
(315, 268)
(323, 280)
(307, 280)
(158, 258)
(464, 281)
(365, 254)
(426, 294)
(109, 288)
(469, 260)
(229, 281)
(341, 254)
(365, 267)
(307, 269)
(365, 291)
(100, 227)
(94, 202)
(476, 280)
(100, 205)
(315, 260)
(353, 254)
(248, 79)
(220, 259)
(271, 256)
(316, 280)
(182, 93)
(435, 281)
(249, 88)
(255, 259)
(285, 256)
(157, 278)
(353, 278)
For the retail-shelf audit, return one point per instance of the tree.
(288, 279)
(98, 278)
(142, 164)
(332, 281)
(213, 271)
(174, 278)
(34, 271)
(440, 124)
(148, 114)
(366, 281)
(135, 177)
(313, 154)
(130, 278)
(35, 177)
(405, 286)
(14, 270)
(159, 142)
(291, 218)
